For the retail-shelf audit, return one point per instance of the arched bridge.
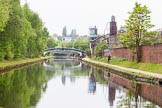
(70, 51)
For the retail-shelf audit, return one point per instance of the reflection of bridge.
(60, 65)
(65, 67)
(68, 51)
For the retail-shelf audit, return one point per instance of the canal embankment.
(129, 73)
(12, 64)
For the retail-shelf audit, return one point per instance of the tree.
(22, 33)
(51, 43)
(82, 44)
(70, 44)
(137, 27)
(4, 13)
(11, 37)
(37, 41)
(100, 48)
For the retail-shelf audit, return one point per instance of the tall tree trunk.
(133, 55)
(138, 50)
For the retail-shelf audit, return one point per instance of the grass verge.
(8, 63)
(151, 67)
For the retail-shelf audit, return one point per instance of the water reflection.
(62, 65)
(129, 94)
(92, 81)
(67, 74)
(111, 91)
(23, 87)
(123, 93)
(73, 84)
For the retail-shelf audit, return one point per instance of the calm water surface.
(72, 84)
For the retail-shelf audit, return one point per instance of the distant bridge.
(68, 51)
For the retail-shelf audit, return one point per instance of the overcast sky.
(82, 14)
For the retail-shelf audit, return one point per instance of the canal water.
(70, 83)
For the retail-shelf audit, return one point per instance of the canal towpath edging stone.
(138, 74)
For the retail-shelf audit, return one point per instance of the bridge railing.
(71, 49)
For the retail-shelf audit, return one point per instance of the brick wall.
(150, 53)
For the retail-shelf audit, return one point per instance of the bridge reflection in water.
(73, 84)
(65, 67)
(118, 91)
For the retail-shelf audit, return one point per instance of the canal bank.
(8, 65)
(129, 73)
(67, 83)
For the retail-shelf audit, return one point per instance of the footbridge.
(69, 51)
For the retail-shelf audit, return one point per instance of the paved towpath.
(156, 75)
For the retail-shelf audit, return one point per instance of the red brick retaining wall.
(150, 53)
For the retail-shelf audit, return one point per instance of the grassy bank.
(10, 63)
(155, 68)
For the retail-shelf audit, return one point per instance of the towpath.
(156, 75)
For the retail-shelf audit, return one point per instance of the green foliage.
(51, 43)
(88, 51)
(70, 44)
(100, 48)
(137, 27)
(13, 32)
(82, 44)
(150, 38)
(22, 33)
(159, 39)
(4, 13)
(62, 44)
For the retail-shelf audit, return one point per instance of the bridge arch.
(81, 53)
